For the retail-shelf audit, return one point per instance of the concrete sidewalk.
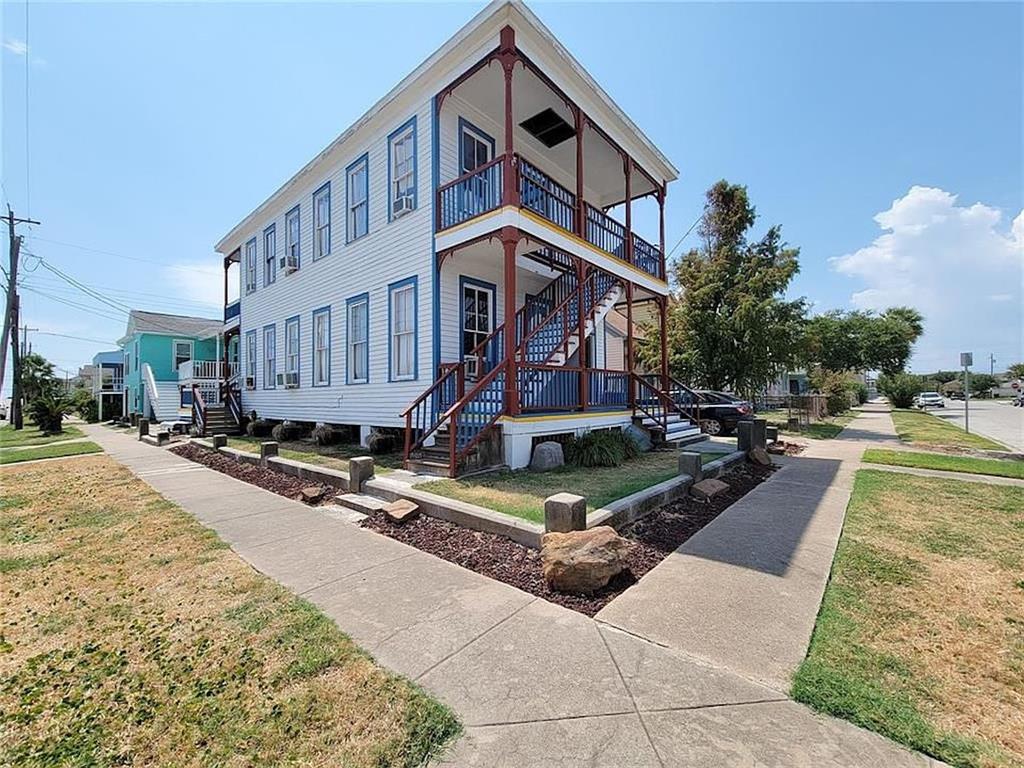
(534, 684)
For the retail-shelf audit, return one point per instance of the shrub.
(324, 434)
(286, 430)
(860, 391)
(259, 428)
(600, 448)
(837, 403)
(48, 410)
(900, 389)
(382, 440)
(85, 405)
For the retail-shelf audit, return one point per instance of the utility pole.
(991, 364)
(967, 360)
(11, 318)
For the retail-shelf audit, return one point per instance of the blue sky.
(885, 139)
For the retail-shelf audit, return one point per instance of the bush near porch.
(521, 493)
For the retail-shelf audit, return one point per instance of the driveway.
(996, 419)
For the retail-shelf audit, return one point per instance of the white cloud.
(16, 46)
(198, 281)
(959, 265)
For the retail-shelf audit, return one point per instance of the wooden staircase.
(219, 421)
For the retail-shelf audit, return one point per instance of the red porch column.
(581, 208)
(509, 240)
(663, 311)
(627, 164)
(629, 342)
(661, 228)
(508, 57)
(581, 349)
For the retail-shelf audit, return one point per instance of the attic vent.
(548, 128)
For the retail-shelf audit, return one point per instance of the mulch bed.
(656, 536)
(268, 479)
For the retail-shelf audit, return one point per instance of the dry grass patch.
(942, 461)
(924, 429)
(133, 635)
(921, 632)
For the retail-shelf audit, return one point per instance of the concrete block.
(690, 463)
(163, 437)
(771, 434)
(143, 427)
(220, 441)
(707, 489)
(758, 433)
(565, 512)
(744, 436)
(267, 450)
(360, 469)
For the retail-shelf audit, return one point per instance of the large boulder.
(582, 562)
(547, 455)
(640, 437)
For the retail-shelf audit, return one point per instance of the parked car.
(720, 412)
(930, 400)
(956, 395)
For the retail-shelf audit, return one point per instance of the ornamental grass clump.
(600, 448)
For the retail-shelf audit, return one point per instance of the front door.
(477, 324)
(476, 149)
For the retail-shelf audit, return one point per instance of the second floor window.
(291, 350)
(269, 254)
(292, 239)
(269, 357)
(322, 221)
(250, 360)
(358, 218)
(182, 353)
(402, 170)
(250, 266)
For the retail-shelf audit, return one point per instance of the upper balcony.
(205, 370)
(511, 140)
(232, 314)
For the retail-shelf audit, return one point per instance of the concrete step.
(426, 466)
(360, 502)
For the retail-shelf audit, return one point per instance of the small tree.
(981, 383)
(900, 388)
(48, 410)
(1016, 371)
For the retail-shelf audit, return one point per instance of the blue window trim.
(365, 161)
(298, 347)
(325, 187)
(392, 287)
(463, 124)
(273, 379)
(465, 280)
(411, 122)
(312, 344)
(269, 265)
(360, 298)
(297, 210)
(255, 356)
(249, 289)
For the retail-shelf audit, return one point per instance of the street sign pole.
(967, 360)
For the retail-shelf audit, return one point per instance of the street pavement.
(995, 419)
(536, 684)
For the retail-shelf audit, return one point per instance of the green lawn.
(15, 455)
(945, 462)
(522, 493)
(921, 428)
(826, 429)
(30, 435)
(133, 635)
(332, 456)
(920, 635)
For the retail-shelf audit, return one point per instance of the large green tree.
(729, 326)
(863, 341)
(37, 377)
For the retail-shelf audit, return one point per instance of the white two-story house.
(448, 264)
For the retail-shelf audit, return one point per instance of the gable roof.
(489, 20)
(141, 321)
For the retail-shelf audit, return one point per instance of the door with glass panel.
(477, 325)
(476, 150)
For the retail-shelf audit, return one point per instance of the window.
(182, 352)
(477, 313)
(291, 351)
(476, 148)
(269, 254)
(402, 330)
(402, 170)
(322, 347)
(269, 356)
(250, 266)
(250, 359)
(322, 221)
(357, 180)
(292, 242)
(358, 339)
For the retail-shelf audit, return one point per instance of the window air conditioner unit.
(402, 206)
(250, 382)
(291, 380)
(289, 263)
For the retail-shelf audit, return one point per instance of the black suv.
(720, 412)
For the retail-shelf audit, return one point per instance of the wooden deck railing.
(471, 195)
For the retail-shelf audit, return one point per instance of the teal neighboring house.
(164, 354)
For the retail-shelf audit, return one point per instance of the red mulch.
(656, 536)
(268, 479)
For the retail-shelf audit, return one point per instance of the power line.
(129, 293)
(178, 267)
(77, 338)
(94, 310)
(680, 241)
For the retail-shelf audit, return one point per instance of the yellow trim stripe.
(563, 416)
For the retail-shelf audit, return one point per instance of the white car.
(930, 400)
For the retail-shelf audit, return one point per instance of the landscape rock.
(708, 488)
(641, 437)
(565, 512)
(582, 562)
(401, 511)
(547, 455)
(311, 494)
(760, 456)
